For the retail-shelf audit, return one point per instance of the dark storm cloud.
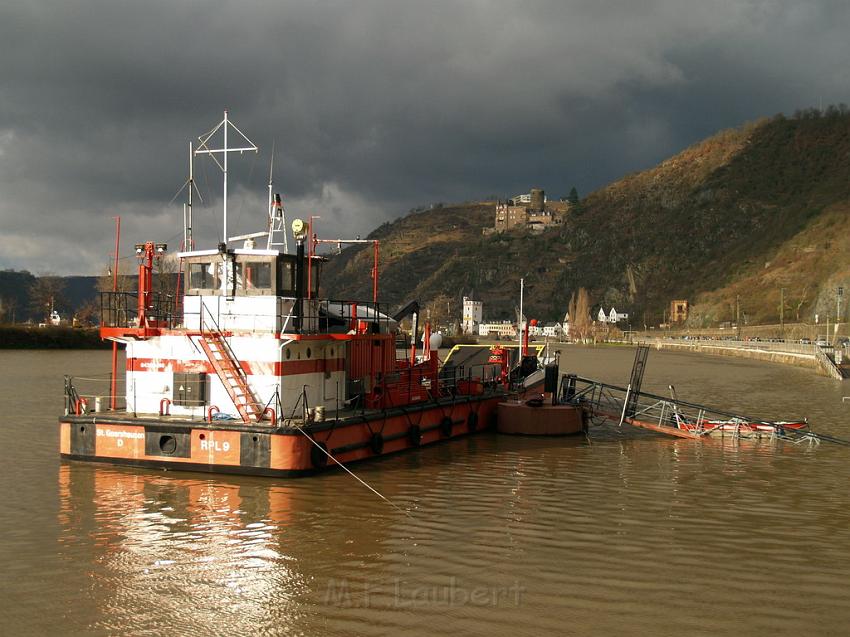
(375, 107)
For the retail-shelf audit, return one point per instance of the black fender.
(376, 443)
(446, 426)
(318, 457)
(414, 435)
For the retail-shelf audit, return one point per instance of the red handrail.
(273, 413)
(80, 406)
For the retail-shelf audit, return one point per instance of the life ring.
(318, 455)
(472, 421)
(414, 434)
(376, 443)
(446, 427)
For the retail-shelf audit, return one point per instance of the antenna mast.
(271, 180)
(277, 214)
(204, 149)
(188, 242)
(277, 224)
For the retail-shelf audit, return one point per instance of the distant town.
(473, 323)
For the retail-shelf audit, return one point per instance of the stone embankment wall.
(785, 353)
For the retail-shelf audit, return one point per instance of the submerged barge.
(252, 372)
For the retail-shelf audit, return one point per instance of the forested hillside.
(740, 215)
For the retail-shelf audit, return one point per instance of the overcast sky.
(375, 107)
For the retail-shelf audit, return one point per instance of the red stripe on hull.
(256, 368)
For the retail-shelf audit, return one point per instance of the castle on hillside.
(532, 212)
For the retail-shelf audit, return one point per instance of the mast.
(188, 242)
(204, 149)
(224, 237)
(277, 213)
(519, 322)
(271, 209)
(114, 376)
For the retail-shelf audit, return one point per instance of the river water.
(625, 532)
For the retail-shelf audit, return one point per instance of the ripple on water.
(624, 533)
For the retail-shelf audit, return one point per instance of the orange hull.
(651, 426)
(734, 426)
(231, 447)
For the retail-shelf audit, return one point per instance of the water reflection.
(624, 533)
(180, 551)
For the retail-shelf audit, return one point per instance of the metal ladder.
(231, 375)
(636, 380)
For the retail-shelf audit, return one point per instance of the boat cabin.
(249, 289)
(253, 334)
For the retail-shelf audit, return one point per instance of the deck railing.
(121, 309)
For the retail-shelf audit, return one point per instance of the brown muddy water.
(622, 533)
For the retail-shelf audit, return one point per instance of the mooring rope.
(344, 468)
(351, 473)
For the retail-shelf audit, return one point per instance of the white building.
(602, 317)
(548, 331)
(473, 313)
(615, 317)
(504, 328)
(552, 331)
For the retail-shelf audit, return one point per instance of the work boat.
(255, 373)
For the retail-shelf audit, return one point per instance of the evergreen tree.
(572, 198)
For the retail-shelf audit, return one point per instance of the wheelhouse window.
(203, 276)
(286, 276)
(256, 275)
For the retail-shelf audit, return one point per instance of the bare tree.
(166, 268)
(579, 311)
(89, 313)
(120, 280)
(803, 298)
(11, 306)
(46, 293)
(582, 319)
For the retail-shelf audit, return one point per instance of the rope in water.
(303, 397)
(349, 472)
